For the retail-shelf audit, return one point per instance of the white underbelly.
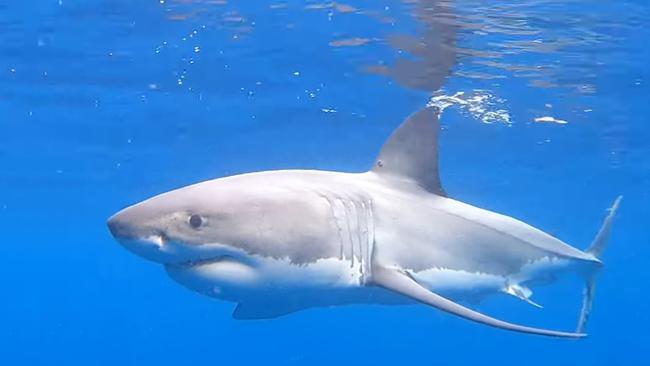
(460, 285)
(333, 281)
(469, 286)
(326, 280)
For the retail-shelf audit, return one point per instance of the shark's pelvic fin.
(522, 293)
(266, 310)
(402, 283)
(596, 248)
(412, 151)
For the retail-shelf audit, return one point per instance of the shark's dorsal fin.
(411, 152)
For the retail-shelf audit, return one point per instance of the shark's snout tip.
(138, 239)
(115, 226)
(122, 228)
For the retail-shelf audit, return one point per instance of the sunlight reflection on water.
(548, 44)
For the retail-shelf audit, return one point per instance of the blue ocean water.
(106, 103)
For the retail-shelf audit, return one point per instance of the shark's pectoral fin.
(263, 310)
(401, 282)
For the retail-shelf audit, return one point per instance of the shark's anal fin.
(400, 282)
(411, 152)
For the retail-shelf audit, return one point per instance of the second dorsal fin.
(411, 152)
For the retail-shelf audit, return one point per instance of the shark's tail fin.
(596, 248)
(599, 243)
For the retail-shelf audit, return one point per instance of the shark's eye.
(195, 221)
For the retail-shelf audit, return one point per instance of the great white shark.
(276, 242)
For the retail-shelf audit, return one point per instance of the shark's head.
(238, 217)
(196, 223)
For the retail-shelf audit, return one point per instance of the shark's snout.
(141, 241)
(118, 227)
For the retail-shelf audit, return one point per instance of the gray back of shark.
(277, 242)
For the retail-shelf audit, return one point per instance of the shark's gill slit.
(331, 202)
(371, 239)
(343, 219)
(361, 224)
(353, 220)
(349, 216)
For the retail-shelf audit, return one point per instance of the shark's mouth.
(150, 247)
(163, 250)
(190, 263)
